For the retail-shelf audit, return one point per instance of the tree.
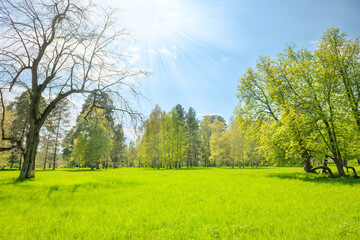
(205, 134)
(300, 97)
(19, 107)
(67, 144)
(132, 155)
(93, 141)
(60, 115)
(236, 140)
(215, 141)
(55, 45)
(193, 138)
(5, 156)
(118, 151)
(180, 132)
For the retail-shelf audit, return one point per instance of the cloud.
(134, 49)
(208, 114)
(314, 42)
(167, 52)
(134, 58)
(133, 54)
(151, 51)
(225, 59)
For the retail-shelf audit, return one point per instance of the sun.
(168, 31)
(163, 17)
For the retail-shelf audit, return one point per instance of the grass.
(269, 203)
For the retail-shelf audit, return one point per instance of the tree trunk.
(56, 139)
(339, 166)
(308, 168)
(32, 142)
(46, 152)
(20, 161)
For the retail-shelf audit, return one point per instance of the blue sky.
(197, 50)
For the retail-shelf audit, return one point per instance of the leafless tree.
(64, 46)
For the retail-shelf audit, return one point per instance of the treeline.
(178, 139)
(304, 107)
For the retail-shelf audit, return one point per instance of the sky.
(198, 49)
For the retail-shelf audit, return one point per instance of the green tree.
(218, 128)
(302, 93)
(118, 151)
(205, 133)
(93, 142)
(132, 155)
(192, 150)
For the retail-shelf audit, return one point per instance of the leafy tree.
(180, 132)
(67, 144)
(218, 128)
(93, 142)
(100, 100)
(302, 93)
(119, 151)
(205, 134)
(60, 116)
(133, 155)
(192, 151)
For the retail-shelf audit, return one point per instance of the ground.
(264, 203)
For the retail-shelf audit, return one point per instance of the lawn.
(264, 203)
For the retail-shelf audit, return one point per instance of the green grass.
(268, 203)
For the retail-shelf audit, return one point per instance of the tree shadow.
(80, 170)
(204, 168)
(9, 170)
(177, 169)
(317, 178)
(17, 181)
(252, 168)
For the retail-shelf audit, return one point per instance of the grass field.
(268, 203)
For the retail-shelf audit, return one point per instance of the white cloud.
(167, 52)
(134, 58)
(134, 49)
(225, 59)
(151, 51)
(208, 114)
(314, 42)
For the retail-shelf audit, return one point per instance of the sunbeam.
(167, 30)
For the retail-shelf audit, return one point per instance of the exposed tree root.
(352, 168)
(323, 168)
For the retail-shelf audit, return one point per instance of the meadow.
(263, 203)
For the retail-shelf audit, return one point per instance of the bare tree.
(64, 46)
